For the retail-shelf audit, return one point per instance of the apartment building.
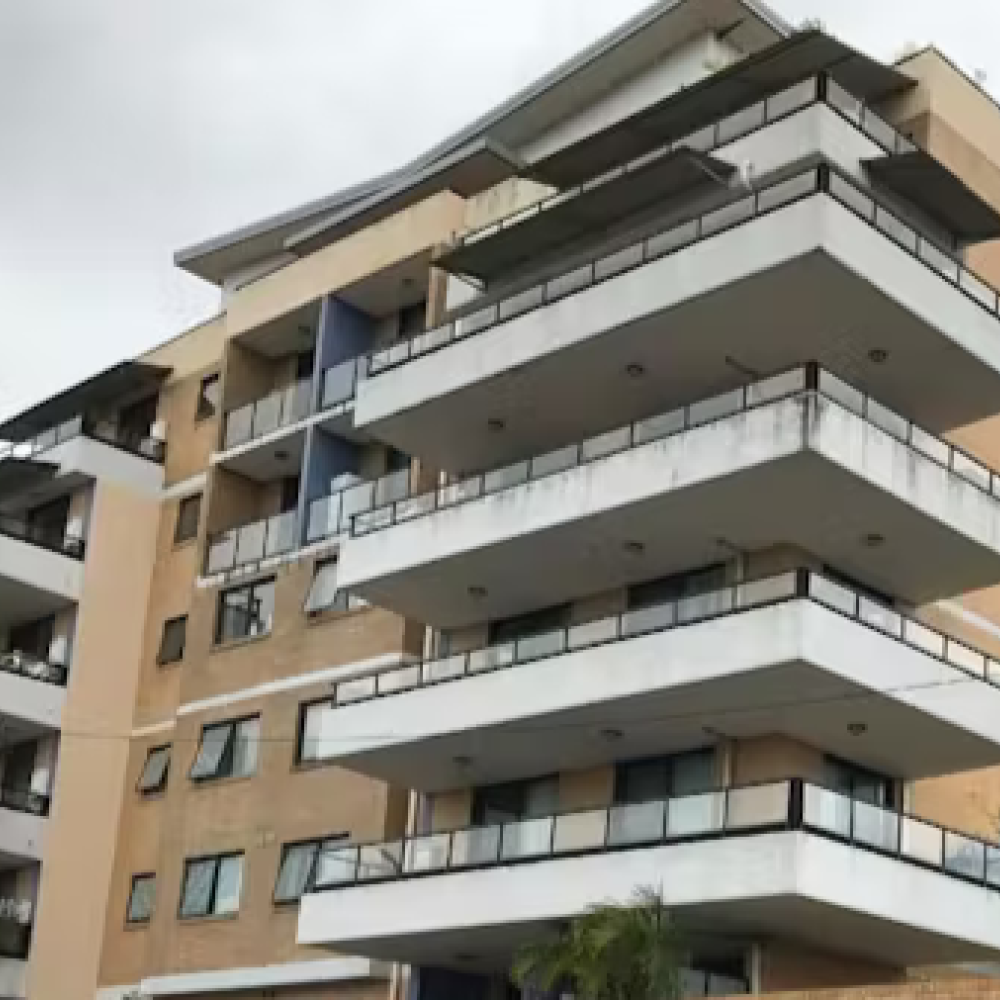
(608, 498)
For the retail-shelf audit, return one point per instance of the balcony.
(265, 416)
(252, 543)
(799, 458)
(928, 702)
(789, 859)
(815, 265)
(32, 691)
(23, 822)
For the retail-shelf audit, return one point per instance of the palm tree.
(612, 952)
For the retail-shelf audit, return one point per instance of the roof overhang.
(921, 179)
(467, 171)
(592, 208)
(127, 380)
(732, 89)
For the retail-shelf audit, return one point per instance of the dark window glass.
(212, 886)
(412, 319)
(172, 641)
(33, 638)
(296, 873)
(245, 611)
(515, 800)
(227, 750)
(209, 397)
(533, 623)
(47, 523)
(135, 421)
(858, 782)
(304, 364)
(676, 587)
(289, 493)
(188, 515)
(154, 772)
(664, 777)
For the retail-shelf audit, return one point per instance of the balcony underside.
(810, 281)
(789, 885)
(35, 581)
(796, 668)
(822, 479)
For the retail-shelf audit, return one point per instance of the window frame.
(228, 753)
(300, 729)
(159, 789)
(341, 837)
(223, 641)
(162, 659)
(341, 600)
(131, 921)
(205, 409)
(179, 520)
(210, 913)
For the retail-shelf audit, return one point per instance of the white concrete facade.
(22, 834)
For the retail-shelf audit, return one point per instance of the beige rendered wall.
(94, 746)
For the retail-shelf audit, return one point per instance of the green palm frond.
(612, 952)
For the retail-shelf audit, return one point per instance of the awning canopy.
(723, 93)
(921, 179)
(468, 171)
(127, 381)
(594, 207)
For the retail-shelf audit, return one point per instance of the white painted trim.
(345, 671)
(151, 730)
(185, 488)
(956, 609)
(328, 970)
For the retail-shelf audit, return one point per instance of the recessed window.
(141, 899)
(299, 862)
(227, 750)
(531, 624)
(212, 886)
(658, 778)
(246, 611)
(209, 397)
(323, 595)
(515, 800)
(172, 640)
(154, 772)
(188, 513)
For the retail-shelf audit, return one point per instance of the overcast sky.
(132, 128)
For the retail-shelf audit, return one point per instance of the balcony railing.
(276, 410)
(26, 665)
(333, 514)
(661, 617)
(272, 536)
(340, 382)
(46, 537)
(798, 382)
(793, 804)
(143, 445)
(24, 800)
(825, 180)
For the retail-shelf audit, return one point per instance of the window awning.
(927, 183)
(594, 207)
(125, 382)
(732, 89)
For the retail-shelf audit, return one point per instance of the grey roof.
(275, 234)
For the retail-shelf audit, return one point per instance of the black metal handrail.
(790, 804)
(27, 665)
(24, 800)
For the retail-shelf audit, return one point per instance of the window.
(172, 640)
(323, 595)
(245, 612)
(533, 623)
(154, 772)
(212, 886)
(664, 777)
(209, 397)
(141, 899)
(297, 871)
(677, 587)
(858, 782)
(313, 720)
(412, 319)
(515, 800)
(188, 514)
(227, 750)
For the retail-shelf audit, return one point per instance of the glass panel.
(712, 409)
(841, 392)
(649, 619)
(971, 470)
(197, 893)
(700, 606)
(529, 838)
(895, 228)
(939, 260)
(844, 102)
(402, 679)
(392, 487)
(880, 617)
(415, 507)
(592, 633)
(964, 856)
(155, 770)
(881, 131)
(280, 533)
(580, 831)
(838, 597)
(214, 740)
(568, 283)
(323, 518)
(740, 123)
(875, 826)
(444, 670)
(456, 493)
(993, 865)
(293, 875)
(661, 426)
(479, 846)
(380, 861)
(728, 215)
(703, 140)
(534, 647)
(239, 426)
(554, 461)
(356, 689)
(521, 303)
(267, 414)
(222, 552)
(141, 901)
(315, 720)
(826, 810)
(336, 866)
(979, 290)
(931, 446)
(762, 805)
(430, 853)
(228, 885)
(339, 383)
(673, 239)
(501, 479)
(849, 195)
(246, 742)
(921, 841)
(621, 260)
(356, 499)
(491, 658)
(966, 658)
(923, 638)
(775, 588)
(250, 542)
(795, 97)
(889, 421)
(637, 824)
(606, 444)
(476, 321)
(695, 814)
(295, 402)
(776, 387)
(323, 590)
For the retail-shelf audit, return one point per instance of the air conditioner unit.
(158, 431)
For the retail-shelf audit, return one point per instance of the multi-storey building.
(609, 498)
